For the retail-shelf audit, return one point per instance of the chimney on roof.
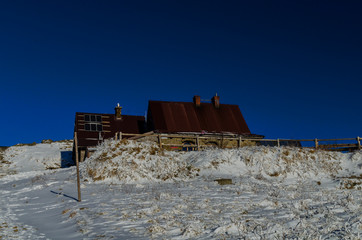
(197, 101)
(216, 101)
(118, 112)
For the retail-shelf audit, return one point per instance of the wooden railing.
(349, 144)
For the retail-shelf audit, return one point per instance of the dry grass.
(65, 211)
(351, 184)
(224, 181)
(134, 160)
(26, 144)
(72, 214)
(274, 174)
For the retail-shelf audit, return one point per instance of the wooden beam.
(77, 163)
(141, 135)
(316, 143)
(159, 140)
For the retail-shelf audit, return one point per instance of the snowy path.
(32, 209)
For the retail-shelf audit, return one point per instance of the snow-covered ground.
(133, 190)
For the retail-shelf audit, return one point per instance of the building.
(195, 124)
(198, 124)
(93, 128)
(196, 117)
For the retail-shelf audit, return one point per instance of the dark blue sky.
(295, 69)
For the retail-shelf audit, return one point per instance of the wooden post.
(239, 141)
(77, 163)
(198, 143)
(120, 136)
(316, 143)
(359, 142)
(115, 136)
(160, 140)
(278, 142)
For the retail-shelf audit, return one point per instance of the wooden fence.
(197, 143)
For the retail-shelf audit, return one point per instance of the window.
(93, 118)
(93, 123)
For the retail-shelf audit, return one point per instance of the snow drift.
(135, 162)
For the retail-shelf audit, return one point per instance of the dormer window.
(93, 123)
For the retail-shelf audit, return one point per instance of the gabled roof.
(173, 117)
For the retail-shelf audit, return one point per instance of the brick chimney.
(197, 101)
(216, 101)
(118, 112)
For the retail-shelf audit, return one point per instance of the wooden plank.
(338, 145)
(160, 141)
(339, 139)
(178, 145)
(141, 135)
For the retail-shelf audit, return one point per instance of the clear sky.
(293, 67)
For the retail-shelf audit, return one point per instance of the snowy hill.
(134, 190)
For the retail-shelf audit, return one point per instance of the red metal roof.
(172, 117)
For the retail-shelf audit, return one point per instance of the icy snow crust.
(134, 190)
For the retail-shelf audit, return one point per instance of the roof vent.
(197, 101)
(118, 112)
(216, 101)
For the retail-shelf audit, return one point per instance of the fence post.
(278, 142)
(239, 141)
(159, 140)
(198, 143)
(316, 143)
(359, 142)
(77, 163)
(120, 136)
(115, 136)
